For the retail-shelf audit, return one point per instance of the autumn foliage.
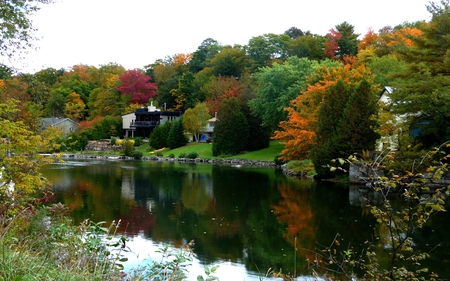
(298, 133)
(137, 85)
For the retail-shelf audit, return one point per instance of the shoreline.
(237, 163)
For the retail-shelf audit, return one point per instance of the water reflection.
(246, 220)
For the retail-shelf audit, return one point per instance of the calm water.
(246, 220)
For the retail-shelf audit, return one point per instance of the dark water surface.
(246, 220)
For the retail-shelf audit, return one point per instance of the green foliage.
(192, 155)
(137, 141)
(113, 141)
(422, 91)
(128, 148)
(17, 27)
(176, 137)
(182, 155)
(20, 160)
(136, 154)
(409, 199)
(278, 85)
(159, 136)
(45, 245)
(277, 160)
(346, 123)
(231, 129)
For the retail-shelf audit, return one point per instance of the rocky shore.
(231, 162)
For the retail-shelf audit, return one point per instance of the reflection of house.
(145, 119)
(65, 125)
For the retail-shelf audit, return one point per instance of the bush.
(192, 155)
(113, 141)
(128, 147)
(137, 141)
(136, 154)
(182, 155)
(171, 155)
(278, 161)
(159, 153)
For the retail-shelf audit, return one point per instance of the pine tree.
(176, 137)
(231, 129)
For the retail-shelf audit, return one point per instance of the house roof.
(54, 121)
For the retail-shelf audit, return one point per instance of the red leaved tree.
(137, 85)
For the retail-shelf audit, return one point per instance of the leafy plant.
(192, 155)
(408, 200)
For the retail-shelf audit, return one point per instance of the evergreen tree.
(346, 123)
(159, 136)
(423, 93)
(176, 137)
(231, 129)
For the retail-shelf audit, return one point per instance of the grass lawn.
(204, 150)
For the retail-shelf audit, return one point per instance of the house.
(142, 122)
(398, 122)
(209, 130)
(65, 125)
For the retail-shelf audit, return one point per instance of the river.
(246, 220)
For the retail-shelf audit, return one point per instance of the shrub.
(136, 154)
(159, 153)
(182, 155)
(113, 141)
(278, 161)
(128, 147)
(137, 141)
(171, 155)
(192, 155)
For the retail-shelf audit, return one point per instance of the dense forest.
(316, 93)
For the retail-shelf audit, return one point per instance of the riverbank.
(232, 162)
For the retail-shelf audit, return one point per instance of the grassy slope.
(204, 150)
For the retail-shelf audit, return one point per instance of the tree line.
(316, 93)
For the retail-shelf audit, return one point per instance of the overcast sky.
(135, 33)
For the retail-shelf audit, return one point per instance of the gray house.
(65, 125)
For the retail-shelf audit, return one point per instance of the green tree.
(55, 106)
(186, 94)
(17, 27)
(195, 120)
(308, 46)
(423, 93)
(202, 57)
(176, 137)
(159, 136)
(229, 62)
(385, 68)
(21, 148)
(265, 49)
(278, 85)
(230, 130)
(346, 123)
(348, 43)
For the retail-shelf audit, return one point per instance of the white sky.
(135, 33)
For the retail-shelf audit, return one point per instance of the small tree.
(231, 129)
(176, 137)
(159, 136)
(20, 161)
(196, 119)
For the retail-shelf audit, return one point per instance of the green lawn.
(204, 150)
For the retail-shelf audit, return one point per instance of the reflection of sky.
(144, 251)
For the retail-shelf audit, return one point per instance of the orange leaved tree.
(298, 132)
